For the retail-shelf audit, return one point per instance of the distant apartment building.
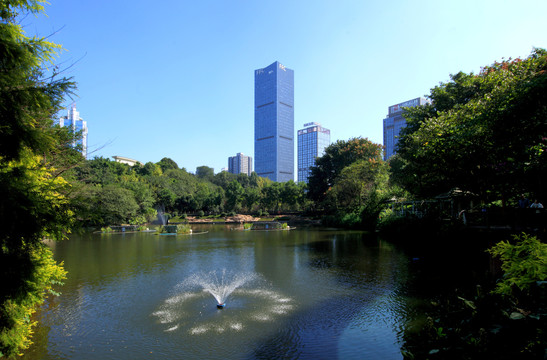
(240, 164)
(274, 122)
(394, 122)
(312, 141)
(77, 124)
(125, 160)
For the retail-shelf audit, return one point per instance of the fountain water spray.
(185, 309)
(220, 285)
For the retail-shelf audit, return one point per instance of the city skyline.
(175, 79)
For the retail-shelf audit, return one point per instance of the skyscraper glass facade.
(77, 124)
(312, 141)
(274, 122)
(394, 122)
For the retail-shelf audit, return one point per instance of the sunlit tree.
(32, 202)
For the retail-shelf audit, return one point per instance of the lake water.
(304, 293)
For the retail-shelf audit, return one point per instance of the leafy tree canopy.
(336, 157)
(32, 201)
(484, 133)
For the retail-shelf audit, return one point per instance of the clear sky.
(175, 78)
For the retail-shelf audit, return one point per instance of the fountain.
(251, 299)
(220, 287)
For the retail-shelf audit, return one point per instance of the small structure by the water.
(270, 225)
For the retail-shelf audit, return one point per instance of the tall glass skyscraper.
(274, 122)
(394, 122)
(77, 124)
(312, 141)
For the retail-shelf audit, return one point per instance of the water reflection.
(317, 294)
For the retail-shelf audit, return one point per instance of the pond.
(305, 293)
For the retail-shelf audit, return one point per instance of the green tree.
(32, 201)
(167, 164)
(483, 133)
(271, 196)
(234, 196)
(115, 205)
(205, 172)
(150, 169)
(336, 157)
(223, 178)
(291, 194)
(251, 198)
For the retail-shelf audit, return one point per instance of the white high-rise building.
(240, 164)
(78, 124)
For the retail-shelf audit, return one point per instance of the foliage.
(476, 324)
(28, 96)
(205, 172)
(167, 164)
(114, 205)
(33, 155)
(351, 183)
(184, 229)
(40, 274)
(106, 230)
(234, 195)
(482, 133)
(336, 157)
(524, 263)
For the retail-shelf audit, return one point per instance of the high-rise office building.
(274, 122)
(312, 141)
(240, 164)
(77, 124)
(394, 122)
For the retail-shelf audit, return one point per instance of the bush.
(201, 213)
(184, 229)
(16, 312)
(523, 263)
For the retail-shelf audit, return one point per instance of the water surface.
(308, 293)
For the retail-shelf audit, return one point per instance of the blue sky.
(176, 78)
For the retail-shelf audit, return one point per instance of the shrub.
(184, 229)
(16, 312)
(523, 263)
